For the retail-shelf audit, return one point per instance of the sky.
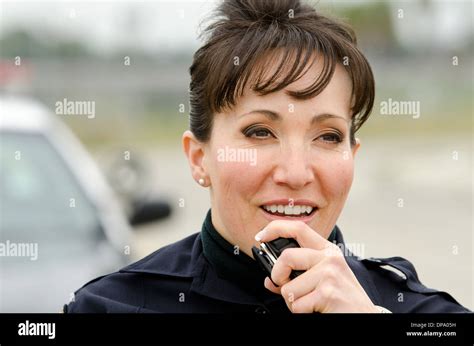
(156, 25)
(107, 25)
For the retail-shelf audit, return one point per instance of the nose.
(293, 168)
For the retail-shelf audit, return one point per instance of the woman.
(277, 95)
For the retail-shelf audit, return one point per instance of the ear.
(194, 151)
(355, 147)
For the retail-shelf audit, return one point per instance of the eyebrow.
(277, 117)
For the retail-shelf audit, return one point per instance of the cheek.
(233, 187)
(335, 176)
(236, 182)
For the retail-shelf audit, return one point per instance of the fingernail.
(259, 235)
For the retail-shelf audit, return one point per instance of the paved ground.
(433, 229)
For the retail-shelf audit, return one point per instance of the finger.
(304, 235)
(270, 286)
(294, 259)
(309, 303)
(303, 284)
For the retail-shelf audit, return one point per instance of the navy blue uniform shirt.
(203, 273)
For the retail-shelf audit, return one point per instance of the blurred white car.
(52, 194)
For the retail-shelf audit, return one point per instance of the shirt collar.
(227, 260)
(186, 259)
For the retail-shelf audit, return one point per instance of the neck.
(229, 262)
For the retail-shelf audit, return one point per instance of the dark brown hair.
(250, 32)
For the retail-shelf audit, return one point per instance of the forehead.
(334, 98)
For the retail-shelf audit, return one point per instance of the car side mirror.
(149, 210)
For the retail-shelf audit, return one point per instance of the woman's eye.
(261, 133)
(331, 138)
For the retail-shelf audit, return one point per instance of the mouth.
(298, 211)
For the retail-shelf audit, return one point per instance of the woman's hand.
(327, 285)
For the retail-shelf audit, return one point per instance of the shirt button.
(261, 310)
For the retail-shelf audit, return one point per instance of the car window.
(40, 199)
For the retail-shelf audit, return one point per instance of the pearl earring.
(201, 181)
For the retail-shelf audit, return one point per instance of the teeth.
(287, 210)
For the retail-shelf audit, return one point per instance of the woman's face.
(274, 155)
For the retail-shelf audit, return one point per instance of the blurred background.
(97, 190)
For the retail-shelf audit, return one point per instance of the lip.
(272, 217)
(286, 201)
